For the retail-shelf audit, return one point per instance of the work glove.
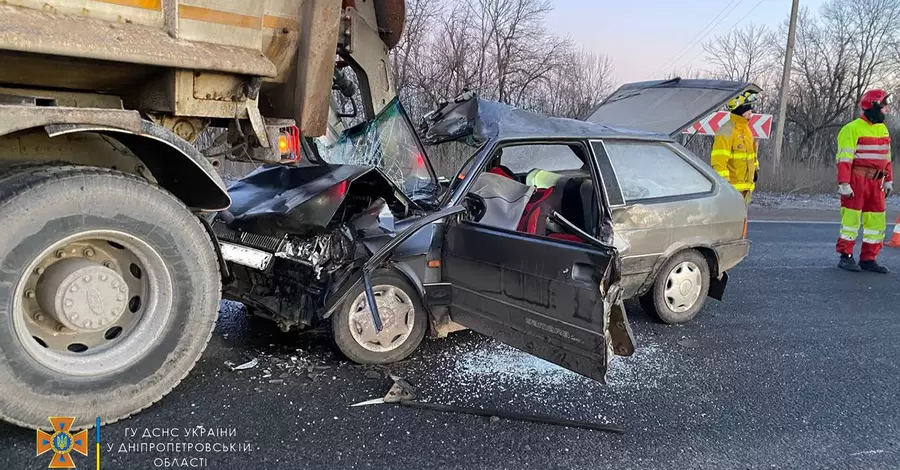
(844, 189)
(888, 187)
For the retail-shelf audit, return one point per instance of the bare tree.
(744, 54)
(577, 87)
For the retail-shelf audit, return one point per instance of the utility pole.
(785, 84)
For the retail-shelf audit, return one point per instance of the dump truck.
(111, 273)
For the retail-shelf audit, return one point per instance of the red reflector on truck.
(289, 143)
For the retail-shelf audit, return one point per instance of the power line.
(687, 47)
(678, 62)
(689, 43)
(742, 18)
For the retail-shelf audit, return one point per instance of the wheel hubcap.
(82, 295)
(683, 286)
(397, 319)
(93, 303)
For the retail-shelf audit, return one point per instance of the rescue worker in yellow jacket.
(734, 149)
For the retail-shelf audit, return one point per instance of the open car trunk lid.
(665, 106)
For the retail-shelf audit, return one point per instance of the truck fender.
(176, 164)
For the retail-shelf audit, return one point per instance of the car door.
(539, 295)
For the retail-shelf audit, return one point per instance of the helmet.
(873, 98)
(746, 97)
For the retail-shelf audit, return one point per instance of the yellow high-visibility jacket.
(734, 153)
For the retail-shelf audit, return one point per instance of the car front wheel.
(403, 320)
(680, 289)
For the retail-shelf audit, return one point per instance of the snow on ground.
(809, 201)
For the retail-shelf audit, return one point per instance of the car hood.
(278, 199)
(665, 106)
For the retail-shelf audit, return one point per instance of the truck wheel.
(403, 319)
(109, 294)
(680, 289)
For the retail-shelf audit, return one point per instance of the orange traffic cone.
(894, 242)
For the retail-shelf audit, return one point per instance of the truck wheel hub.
(82, 295)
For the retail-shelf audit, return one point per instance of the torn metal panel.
(282, 199)
(377, 220)
(474, 121)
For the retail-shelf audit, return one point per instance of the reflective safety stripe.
(743, 156)
(720, 153)
(744, 186)
(725, 174)
(872, 148)
(845, 159)
(871, 232)
(873, 240)
(872, 156)
(850, 221)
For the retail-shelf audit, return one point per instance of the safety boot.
(847, 263)
(872, 266)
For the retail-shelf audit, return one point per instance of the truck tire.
(680, 288)
(402, 314)
(109, 294)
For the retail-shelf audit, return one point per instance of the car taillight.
(289, 143)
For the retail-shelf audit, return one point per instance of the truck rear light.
(289, 143)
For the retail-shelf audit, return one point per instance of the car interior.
(572, 195)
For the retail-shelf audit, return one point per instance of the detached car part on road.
(328, 242)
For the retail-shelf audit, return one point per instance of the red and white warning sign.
(760, 124)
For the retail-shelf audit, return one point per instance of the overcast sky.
(641, 36)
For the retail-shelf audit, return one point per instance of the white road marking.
(795, 222)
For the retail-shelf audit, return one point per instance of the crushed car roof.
(474, 121)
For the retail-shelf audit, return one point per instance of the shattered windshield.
(388, 143)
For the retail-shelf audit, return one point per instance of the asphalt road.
(797, 368)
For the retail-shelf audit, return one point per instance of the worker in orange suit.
(865, 179)
(734, 149)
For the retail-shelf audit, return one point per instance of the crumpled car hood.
(276, 199)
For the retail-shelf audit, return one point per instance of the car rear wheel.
(403, 319)
(109, 295)
(680, 289)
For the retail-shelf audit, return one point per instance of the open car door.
(665, 106)
(554, 299)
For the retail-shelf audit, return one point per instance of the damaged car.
(365, 239)
(678, 226)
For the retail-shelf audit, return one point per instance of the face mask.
(874, 115)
